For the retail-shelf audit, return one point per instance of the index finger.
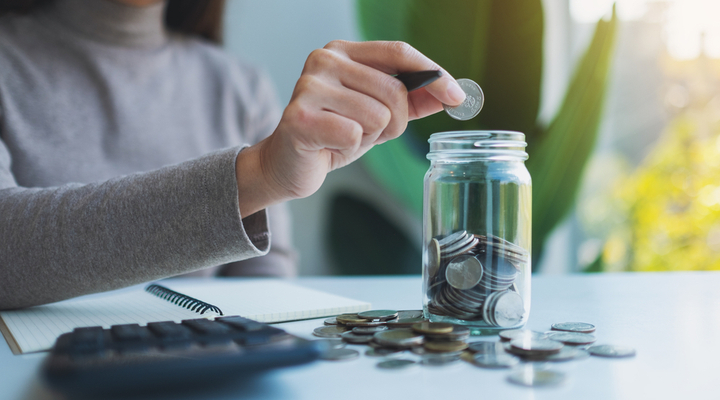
(398, 57)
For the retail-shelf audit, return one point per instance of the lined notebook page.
(268, 300)
(36, 328)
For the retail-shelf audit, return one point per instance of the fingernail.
(456, 94)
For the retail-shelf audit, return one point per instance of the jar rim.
(478, 134)
(482, 144)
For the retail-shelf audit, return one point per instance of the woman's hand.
(344, 103)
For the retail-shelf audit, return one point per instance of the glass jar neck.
(462, 146)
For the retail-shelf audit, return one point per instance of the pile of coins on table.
(472, 277)
(389, 333)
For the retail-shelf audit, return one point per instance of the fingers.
(395, 57)
(375, 87)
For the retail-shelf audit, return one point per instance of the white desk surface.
(671, 319)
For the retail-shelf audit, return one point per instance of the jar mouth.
(478, 144)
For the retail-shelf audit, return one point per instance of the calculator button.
(207, 327)
(242, 324)
(130, 333)
(88, 341)
(169, 330)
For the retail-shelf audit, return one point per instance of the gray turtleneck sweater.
(118, 142)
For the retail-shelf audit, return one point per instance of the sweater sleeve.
(259, 121)
(75, 239)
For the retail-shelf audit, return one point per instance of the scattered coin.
(486, 347)
(445, 347)
(459, 333)
(330, 321)
(568, 353)
(340, 354)
(396, 364)
(439, 359)
(606, 350)
(329, 331)
(382, 352)
(368, 330)
(365, 323)
(534, 347)
(432, 327)
(398, 338)
(581, 327)
(495, 360)
(473, 103)
(572, 338)
(349, 318)
(354, 338)
(407, 314)
(382, 315)
(511, 334)
(404, 322)
(327, 344)
(530, 375)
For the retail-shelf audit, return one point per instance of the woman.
(124, 151)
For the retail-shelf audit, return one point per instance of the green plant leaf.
(400, 170)
(362, 241)
(495, 43)
(557, 162)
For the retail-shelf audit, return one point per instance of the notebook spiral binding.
(182, 300)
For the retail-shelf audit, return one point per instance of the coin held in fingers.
(474, 100)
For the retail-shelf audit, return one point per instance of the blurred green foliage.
(499, 44)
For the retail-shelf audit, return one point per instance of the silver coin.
(452, 238)
(535, 346)
(340, 354)
(382, 352)
(464, 249)
(508, 309)
(382, 315)
(606, 350)
(330, 321)
(512, 334)
(459, 333)
(464, 272)
(581, 327)
(404, 322)
(329, 331)
(368, 330)
(396, 364)
(486, 347)
(433, 257)
(473, 103)
(460, 244)
(351, 337)
(365, 323)
(504, 309)
(439, 359)
(568, 353)
(398, 338)
(495, 360)
(405, 314)
(530, 375)
(572, 338)
(327, 344)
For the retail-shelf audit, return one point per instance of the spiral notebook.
(265, 300)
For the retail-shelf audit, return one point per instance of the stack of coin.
(471, 277)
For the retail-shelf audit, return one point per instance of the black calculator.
(195, 352)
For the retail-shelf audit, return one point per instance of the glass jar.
(477, 230)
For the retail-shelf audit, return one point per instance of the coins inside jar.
(473, 277)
